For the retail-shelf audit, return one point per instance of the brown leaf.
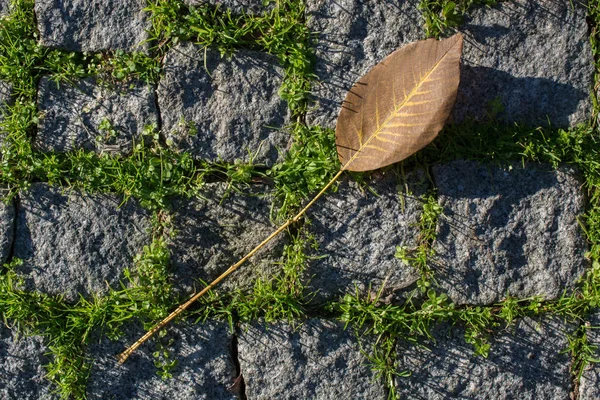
(400, 105)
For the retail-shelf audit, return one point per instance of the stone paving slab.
(92, 25)
(320, 360)
(6, 99)
(589, 384)
(204, 370)
(508, 231)
(223, 109)
(75, 243)
(88, 115)
(525, 362)
(214, 232)
(352, 37)
(21, 367)
(531, 56)
(249, 7)
(7, 229)
(4, 7)
(357, 232)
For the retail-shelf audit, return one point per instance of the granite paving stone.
(216, 230)
(88, 115)
(357, 230)
(92, 25)
(4, 7)
(223, 109)
(7, 228)
(76, 243)
(204, 370)
(248, 7)
(530, 57)
(527, 361)
(6, 99)
(509, 230)
(22, 358)
(589, 384)
(319, 360)
(352, 37)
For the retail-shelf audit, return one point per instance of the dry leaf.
(400, 105)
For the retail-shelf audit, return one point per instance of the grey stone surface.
(320, 360)
(21, 367)
(219, 108)
(214, 232)
(533, 57)
(6, 99)
(352, 37)
(204, 370)
(7, 228)
(4, 7)
(589, 384)
(93, 117)
(357, 232)
(249, 7)
(73, 242)
(507, 231)
(525, 362)
(92, 25)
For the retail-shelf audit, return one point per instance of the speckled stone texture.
(589, 385)
(7, 228)
(507, 231)
(223, 109)
(320, 360)
(249, 7)
(4, 7)
(74, 243)
(214, 232)
(526, 362)
(5, 100)
(92, 25)
(21, 367)
(531, 56)
(352, 37)
(87, 115)
(357, 232)
(204, 370)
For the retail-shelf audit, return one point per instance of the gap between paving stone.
(203, 371)
(93, 25)
(319, 360)
(220, 109)
(508, 231)
(216, 230)
(82, 115)
(357, 232)
(75, 243)
(528, 359)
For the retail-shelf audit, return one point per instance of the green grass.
(154, 174)
(442, 17)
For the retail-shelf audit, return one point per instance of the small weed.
(309, 165)
(419, 256)
(441, 16)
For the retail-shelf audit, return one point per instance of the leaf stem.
(125, 355)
